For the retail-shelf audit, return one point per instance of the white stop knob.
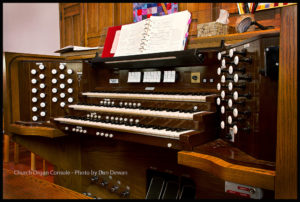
(42, 85)
(33, 81)
(223, 79)
(62, 85)
(34, 109)
(236, 60)
(34, 99)
(41, 66)
(222, 109)
(219, 71)
(223, 63)
(61, 66)
(61, 76)
(230, 86)
(235, 129)
(54, 81)
(34, 118)
(69, 71)
(33, 71)
(70, 90)
(235, 95)
(223, 94)
(54, 90)
(70, 81)
(34, 90)
(54, 99)
(218, 101)
(230, 103)
(222, 124)
(218, 86)
(42, 95)
(62, 104)
(219, 56)
(43, 113)
(235, 112)
(43, 104)
(42, 76)
(230, 69)
(229, 120)
(236, 78)
(53, 71)
(231, 53)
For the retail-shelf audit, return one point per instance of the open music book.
(155, 34)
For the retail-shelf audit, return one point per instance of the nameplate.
(113, 81)
(149, 88)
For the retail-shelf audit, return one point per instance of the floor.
(25, 162)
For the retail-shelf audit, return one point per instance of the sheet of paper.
(116, 41)
(130, 39)
(168, 32)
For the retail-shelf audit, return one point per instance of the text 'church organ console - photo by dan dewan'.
(156, 101)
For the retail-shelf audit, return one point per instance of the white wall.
(31, 28)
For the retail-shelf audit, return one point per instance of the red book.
(111, 33)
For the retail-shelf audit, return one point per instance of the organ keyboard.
(196, 100)
(186, 115)
(157, 96)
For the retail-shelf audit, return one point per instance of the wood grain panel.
(35, 131)
(11, 93)
(64, 153)
(71, 32)
(230, 172)
(126, 13)
(97, 17)
(136, 159)
(215, 41)
(26, 186)
(286, 153)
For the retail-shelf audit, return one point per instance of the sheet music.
(130, 39)
(166, 33)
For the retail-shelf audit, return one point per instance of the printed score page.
(130, 39)
(168, 32)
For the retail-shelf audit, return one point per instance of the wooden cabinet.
(97, 16)
(71, 24)
(83, 24)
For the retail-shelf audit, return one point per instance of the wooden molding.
(286, 150)
(215, 41)
(256, 177)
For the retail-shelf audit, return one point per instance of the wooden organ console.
(136, 119)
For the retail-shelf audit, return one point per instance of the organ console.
(137, 113)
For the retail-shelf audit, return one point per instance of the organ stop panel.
(168, 102)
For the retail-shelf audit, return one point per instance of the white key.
(165, 114)
(133, 129)
(198, 98)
